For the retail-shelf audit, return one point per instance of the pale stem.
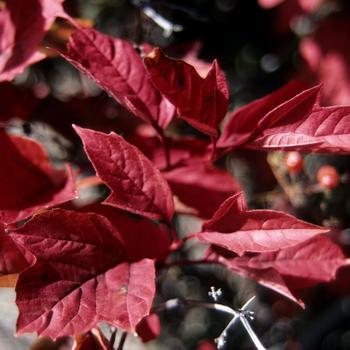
(162, 22)
(241, 314)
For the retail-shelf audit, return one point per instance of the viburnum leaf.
(23, 25)
(202, 102)
(27, 181)
(299, 124)
(83, 275)
(239, 230)
(117, 68)
(136, 184)
(291, 269)
(202, 186)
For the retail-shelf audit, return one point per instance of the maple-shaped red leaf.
(239, 230)
(117, 68)
(201, 102)
(27, 181)
(299, 124)
(201, 186)
(291, 269)
(23, 25)
(13, 258)
(136, 184)
(83, 275)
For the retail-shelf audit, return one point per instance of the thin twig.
(241, 314)
(213, 151)
(166, 151)
(221, 339)
(251, 333)
(184, 262)
(166, 25)
(174, 303)
(122, 341)
(112, 339)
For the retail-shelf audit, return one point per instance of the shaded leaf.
(201, 102)
(202, 186)
(239, 230)
(180, 149)
(149, 328)
(117, 68)
(27, 181)
(13, 257)
(136, 184)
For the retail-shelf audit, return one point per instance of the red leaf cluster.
(84, 266)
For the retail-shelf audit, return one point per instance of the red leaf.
(201, 102)
(82, 276)
(202, 186)
(13, 258)
(27, 182)
(241, 126)
(118, 69)
(300, 124)
(149, 328)
(23, 25)
(136, 184)
(315, 260)
(289, 270)
(239, 230)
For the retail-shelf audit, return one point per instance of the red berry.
(294, 162)
(328, 177)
